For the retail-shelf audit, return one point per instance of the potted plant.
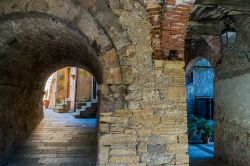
(205, 131)
(192, 128)
(198, 128)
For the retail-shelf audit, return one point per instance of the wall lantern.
(228, 36)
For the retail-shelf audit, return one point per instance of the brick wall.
(169, 22)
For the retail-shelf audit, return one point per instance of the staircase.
(86, 109)
(62, 106)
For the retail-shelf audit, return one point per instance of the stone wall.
(235, 58)
(155, 133)
(232, 99)
(20, 114)
(140, 132)
(232, 137)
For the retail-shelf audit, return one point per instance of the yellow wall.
(84, 85)
(62, 86)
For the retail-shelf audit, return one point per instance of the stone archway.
(33, 45)
(143, 98)
(106, 27)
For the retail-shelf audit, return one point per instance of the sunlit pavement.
(59, 139)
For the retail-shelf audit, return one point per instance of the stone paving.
(58, 140)
(203, 155)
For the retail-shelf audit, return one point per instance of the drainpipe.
(75, 89)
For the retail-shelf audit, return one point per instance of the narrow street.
(58, 140)
(203, 155)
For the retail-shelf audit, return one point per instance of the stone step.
(88, 110)
(53, 143)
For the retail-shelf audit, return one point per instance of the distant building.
(200, 89)
(69, 87)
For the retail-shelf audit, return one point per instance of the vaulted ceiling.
(208, 15)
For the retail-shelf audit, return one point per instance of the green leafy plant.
(192, 127)
(205, 129)
(198, 126)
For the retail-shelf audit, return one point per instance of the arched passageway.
(209, 47)
(38, 38)
(136, 51)
(199, 77)
(32, 47)
(67, 134)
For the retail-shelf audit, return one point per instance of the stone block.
(174, 64)
(128, 75)
(157, 159)
(112, 119)
(177, 119)
(181, 159)
(134, 105)
(164, 129)
(175, 148)
(142, 147)
(130, 51)
(159, 63)
(151, 96)
(103, 155)
(110, 59)
(130, 131)
(156, 148)
(160, 139)
(111, 24)
(145, 120)
(143, 112)
(183, 138)
(179, 81)
(124, 159)
(179, 73)
(41, 6)
(138, 164)
(123, 152)
(116, 129)
(122, 113)
(181, 107)
(134, 95)
(104, 89)
(143, 132)
(177, 94)
(118, 140)
(112, 75)
(104, 127)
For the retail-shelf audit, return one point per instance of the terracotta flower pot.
(46, 103)
(205, 140)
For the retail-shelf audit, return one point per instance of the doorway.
(200, 88)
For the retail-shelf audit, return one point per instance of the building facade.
(70, 86)
(200, 89)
